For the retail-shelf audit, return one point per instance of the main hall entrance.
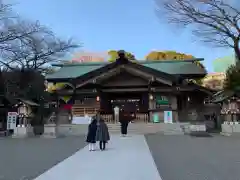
(132, 106)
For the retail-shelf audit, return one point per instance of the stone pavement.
(196, 158)
(126, 158)
(30, 157)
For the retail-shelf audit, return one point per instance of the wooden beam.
(147, 76)
(107, 74)
(126, 90)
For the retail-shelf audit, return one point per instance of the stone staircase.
(133, 128)
(148, 128)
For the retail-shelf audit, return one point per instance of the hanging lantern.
(151, 97)
(98, 98)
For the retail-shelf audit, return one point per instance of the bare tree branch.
(26, 44)
(214, 21)
(37, 50)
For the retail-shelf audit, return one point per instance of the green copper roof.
(175, 67)
(73, 71)
(170, 67)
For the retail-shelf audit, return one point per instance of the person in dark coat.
(124, 125)
(91, 136)
(102, 134)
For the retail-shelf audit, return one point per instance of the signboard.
(162, 100)
(168, 117)
(12, 120)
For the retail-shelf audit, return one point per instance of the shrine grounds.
(179, 157)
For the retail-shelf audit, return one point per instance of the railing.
(142, 117)
(82, 111)
(108, 118)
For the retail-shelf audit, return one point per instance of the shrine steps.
(134, 128)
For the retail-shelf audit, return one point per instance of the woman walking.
(102, 134)
(91, 136)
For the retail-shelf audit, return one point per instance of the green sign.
(162, 100)
(155, 118)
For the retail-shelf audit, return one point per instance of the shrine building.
(141, 89)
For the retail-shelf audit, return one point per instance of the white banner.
(81, 120)
(168, 117)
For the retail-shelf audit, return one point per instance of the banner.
(168, 117)
(66, 98)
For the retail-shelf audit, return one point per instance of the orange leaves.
(167, 55)
(170, 55)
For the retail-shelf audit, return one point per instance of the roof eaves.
(169, 61)
(140, 61)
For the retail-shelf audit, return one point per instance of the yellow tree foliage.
(113, 55)
(170, 55)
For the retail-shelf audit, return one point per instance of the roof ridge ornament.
(122, 59)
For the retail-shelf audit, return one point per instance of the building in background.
(214, 80)
(88, 56)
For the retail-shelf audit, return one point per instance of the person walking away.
(102, 134)
(124, 125)
(91, 136)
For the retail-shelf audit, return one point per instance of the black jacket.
(91, 136)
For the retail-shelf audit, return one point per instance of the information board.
(12, 120)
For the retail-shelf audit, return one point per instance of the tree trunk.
(237, 51)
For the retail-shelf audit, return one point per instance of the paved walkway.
(127, 158)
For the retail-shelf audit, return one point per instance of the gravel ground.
(28, 158)
(196, 158)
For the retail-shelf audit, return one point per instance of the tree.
(113, 55)
(28, 44)
(36, 50)
(27, 84)
(23, 83)
(13, 28)
(171, 55)
(214, 21)
(232, 80)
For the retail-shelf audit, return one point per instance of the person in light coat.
(102, 134)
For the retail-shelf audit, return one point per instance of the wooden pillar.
(73, 101)
(150, 100)
(57, 104)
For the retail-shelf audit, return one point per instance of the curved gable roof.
(172, 67)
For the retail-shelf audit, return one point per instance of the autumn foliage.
(170, 55)
(113, 55)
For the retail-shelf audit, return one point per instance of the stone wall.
(231, 128)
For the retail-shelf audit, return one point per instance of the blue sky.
(115, 24)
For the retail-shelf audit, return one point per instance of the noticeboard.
(12, 120)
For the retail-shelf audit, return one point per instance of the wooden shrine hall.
(142, 90)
